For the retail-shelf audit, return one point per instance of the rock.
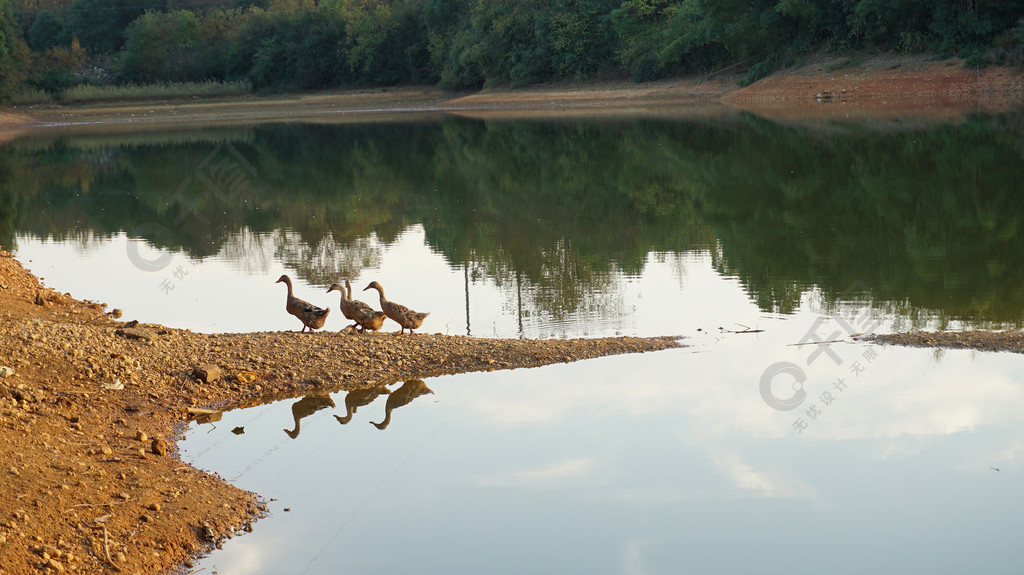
(116, 313)
(159, 447)
(6, 371)
(206, 373)
(141, 435)
(134, 333)
(55, 565)
(40, 300)
(153, 507)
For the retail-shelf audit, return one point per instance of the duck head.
(374, 285)
(335, 287)
(285, 279)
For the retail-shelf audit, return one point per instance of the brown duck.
(366, 317)
(310, 315)
(405, 317)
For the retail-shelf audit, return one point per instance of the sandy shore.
(875, 87)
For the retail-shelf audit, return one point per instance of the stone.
(55, 565)
(116, 313)
(134, 333)
(141, 435)
(6, 371)
(159, 447)
(206, 372)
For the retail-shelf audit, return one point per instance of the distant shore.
(885, 86)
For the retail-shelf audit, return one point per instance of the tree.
(162, 47)
(100, 24)
(13, 53)
(46, 31)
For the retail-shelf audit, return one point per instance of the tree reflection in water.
(555, 213)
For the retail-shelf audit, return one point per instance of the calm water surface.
(681, 461)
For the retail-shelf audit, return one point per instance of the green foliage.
(57, 69)
(315, 44)
(291, 47)
(212, 88)
(162, 47)
(100, 24)
(584, 40)
(46, 31)
(13, 53)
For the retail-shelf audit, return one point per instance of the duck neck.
(288, 282)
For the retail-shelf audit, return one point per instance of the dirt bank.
(1012, 341)
(875, 87)
(90, 413)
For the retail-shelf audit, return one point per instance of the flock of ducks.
(364, 316)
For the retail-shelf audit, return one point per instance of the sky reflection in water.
(657, 463)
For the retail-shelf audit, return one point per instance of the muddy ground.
(90, 406)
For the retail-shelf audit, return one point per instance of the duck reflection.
(307, 406)
(409, 391)
(358, 398)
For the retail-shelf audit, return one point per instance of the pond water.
(707, 459)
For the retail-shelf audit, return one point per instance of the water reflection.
(304, 408)
(358, 398)
(409, 391)
(555, 213)
(695, 466)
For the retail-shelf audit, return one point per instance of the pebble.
(55, 565)
(6, 371)
(206, 372)
(159, 447)
(141, 435)
(153, 507)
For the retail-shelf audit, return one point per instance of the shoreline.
(825, 88)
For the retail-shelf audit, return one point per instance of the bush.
(83, 93)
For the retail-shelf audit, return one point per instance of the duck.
(405, 317)
(364, 316)
(311, 316)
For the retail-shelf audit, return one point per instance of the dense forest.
(53, 45)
